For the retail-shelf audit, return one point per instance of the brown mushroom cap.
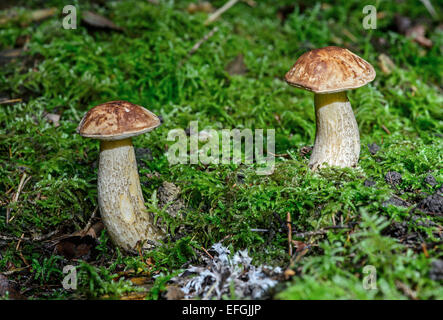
(329, 70)
(116, 120)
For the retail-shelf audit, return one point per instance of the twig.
(310, 233)
(196, 46)
(406, 290)
(10, 101)
(88, 225)
(322, 231)
(8, 273)
(27, 239)
(259, 230)
(220, 11)
(430, 8)
(19, 242)
(209, 291)
(289, 234)
(202, 40)
(207, 253)
(16, 195)
(386, 129)
(283, 155)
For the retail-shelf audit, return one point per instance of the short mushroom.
(329, 72)
(120, 196)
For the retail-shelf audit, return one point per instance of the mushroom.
(120, 196)
(329, 72)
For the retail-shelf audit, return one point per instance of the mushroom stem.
(120, 196)
(337, 141)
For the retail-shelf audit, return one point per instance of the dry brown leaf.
(9, 55)
(6, 287)
(386, 64)
(200, 7)
(53, 118)
(80, 244)
(140, 281)
(237, 66)
(42, 14)
(418, 33)
(289, 273)
(174, 293)
(95, 20)
(134, 296)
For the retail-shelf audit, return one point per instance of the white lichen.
(225, 273)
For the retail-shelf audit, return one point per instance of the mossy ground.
(67, 72)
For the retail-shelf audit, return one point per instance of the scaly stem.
(120, 196)
(337, 141)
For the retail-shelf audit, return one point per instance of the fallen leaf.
(237, 66)
(386, 64)
(6, 287)
(140, 281)
(289, 273)
(80, 244)
(54, 118)
(305, 150)
(42, 14)
(418, 33)
(200, 7)
(95, 20)
(402, 23)
(9, 55)
(174, 293)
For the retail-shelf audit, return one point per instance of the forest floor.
(371, 232)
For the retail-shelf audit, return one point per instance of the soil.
(169, 194)
(373, 148)
(436, 272)
(433, 204)
(431, 181)
(393, 178)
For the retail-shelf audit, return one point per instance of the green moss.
(69, 71)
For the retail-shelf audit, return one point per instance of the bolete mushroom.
(120, 196)
(329, 72)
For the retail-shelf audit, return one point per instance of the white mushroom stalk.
(337, 140)
(329, 72)
(120, 197)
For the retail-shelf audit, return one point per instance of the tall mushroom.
(120, 196)
(329, 72)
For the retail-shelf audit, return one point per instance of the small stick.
(10, 101)
(19, 242)
(430, 8)
(386, 129)
(207, 253)
(27, 239)
(406, 290)
(220, 11)
(288, 220)
(259, 230)
(16, 195)
(283, 155)
(209, 291)
(202, 40)
(88, 225)
(321, 231)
